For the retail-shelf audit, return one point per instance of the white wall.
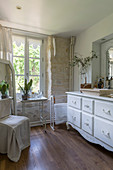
(85, 39)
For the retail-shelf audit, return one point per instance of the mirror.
(109, 63)
(7, 73)
(103, 66)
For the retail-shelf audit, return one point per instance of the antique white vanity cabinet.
(92, 117)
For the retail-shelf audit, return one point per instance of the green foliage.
(19, 64)
(4, 87)
(27, 87)
(18, 50)
(34, 52)
(83, 62)
(34, 66)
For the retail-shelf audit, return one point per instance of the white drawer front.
(87, 105)
(104, 109)
(69, 115)
(74, 116)
(103, 130)
(74, 101)
(87, 123)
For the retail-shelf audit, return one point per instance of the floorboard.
(59, 150)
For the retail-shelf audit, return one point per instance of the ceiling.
(60, 17)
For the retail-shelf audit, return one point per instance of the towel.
(60, 110)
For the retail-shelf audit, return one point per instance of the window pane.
(18, 64)
(34, 67)
(36, 83)
(34, 48)
(19, 80)
(18, 46)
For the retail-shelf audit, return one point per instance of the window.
(27, 61)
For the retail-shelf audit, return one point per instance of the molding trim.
(26, 28)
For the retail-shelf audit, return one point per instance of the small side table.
(42, 100)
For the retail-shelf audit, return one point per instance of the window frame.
(26, 59)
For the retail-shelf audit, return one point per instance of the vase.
(85, 80)
(24, 97)
(4, 96)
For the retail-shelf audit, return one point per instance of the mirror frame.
(3, 61)
(107, 61)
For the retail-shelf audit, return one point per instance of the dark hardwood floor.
(60, 150)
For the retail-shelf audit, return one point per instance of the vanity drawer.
(104, 109)
(74, 101)
(87, 105)
(74, 116)
(87, 123)
(103, 130)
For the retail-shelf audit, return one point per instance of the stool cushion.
(60, 110)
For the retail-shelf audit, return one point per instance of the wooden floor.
(60, 150)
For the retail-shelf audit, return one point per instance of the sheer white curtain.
(6, 54)
(5, 43)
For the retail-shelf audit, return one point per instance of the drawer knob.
(87, 106)
(87, 124)
(108, 112)
(74, 102)
(74, 118)
(106, 134)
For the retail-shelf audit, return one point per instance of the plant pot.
(24, 97)
(4, 96)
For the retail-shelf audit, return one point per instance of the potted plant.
(4, 87)
(83, 63)
(26, 89)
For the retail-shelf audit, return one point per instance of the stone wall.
(56, 77)
(60, 67)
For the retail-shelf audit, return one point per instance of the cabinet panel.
(104, 109)
(103, 130)
(87, 122)
(87, 105)
(93, 117)
(74, 101)
(74, 116)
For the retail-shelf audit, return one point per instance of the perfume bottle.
(100, 83)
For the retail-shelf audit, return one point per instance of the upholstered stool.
(14, 132)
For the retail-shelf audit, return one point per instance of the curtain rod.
(26, 31)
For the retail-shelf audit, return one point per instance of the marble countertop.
(78, 93)
(8, 98)
(96, 90)
(34, 99)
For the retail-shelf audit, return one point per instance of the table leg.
(23, 108)
(41, 112)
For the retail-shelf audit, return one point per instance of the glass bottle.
(107, 83)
